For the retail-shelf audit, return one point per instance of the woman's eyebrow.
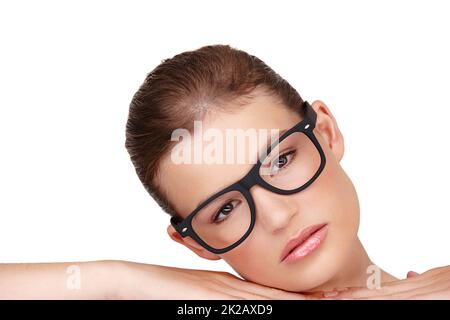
(271, 139)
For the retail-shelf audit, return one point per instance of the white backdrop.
(68, 70)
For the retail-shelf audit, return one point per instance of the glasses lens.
(292, 163)
(224, 221)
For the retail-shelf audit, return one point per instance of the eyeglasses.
(227, 218)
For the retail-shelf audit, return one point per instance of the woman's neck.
(357, 272)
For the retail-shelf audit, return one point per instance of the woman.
(229, 89)
(285, 219)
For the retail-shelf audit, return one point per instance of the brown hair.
(186, 87)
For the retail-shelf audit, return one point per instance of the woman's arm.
(112, 279)
(78, 280)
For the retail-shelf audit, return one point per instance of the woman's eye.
(282, 161)
(224, 211)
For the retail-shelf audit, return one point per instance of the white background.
(68, 70)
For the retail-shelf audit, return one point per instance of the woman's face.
(330, 199)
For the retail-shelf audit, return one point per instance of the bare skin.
(432, 284)
(128, 280)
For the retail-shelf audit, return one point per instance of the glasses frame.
(253, 177)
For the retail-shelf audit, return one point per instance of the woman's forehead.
(262, 112)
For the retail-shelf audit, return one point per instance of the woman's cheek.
(341, 199)
(351, 209)
(251, 259)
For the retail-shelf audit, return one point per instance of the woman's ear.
(191, 244)
(327, 126)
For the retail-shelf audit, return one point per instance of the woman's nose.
(273, 210)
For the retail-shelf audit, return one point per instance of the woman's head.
(228, 89)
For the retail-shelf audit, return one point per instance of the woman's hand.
(432, 284)
(144, 281)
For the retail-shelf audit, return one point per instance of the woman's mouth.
(304, 243)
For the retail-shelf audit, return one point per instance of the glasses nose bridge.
(249, 180)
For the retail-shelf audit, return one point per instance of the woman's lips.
(304, 243)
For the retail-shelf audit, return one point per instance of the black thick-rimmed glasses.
(291, 164)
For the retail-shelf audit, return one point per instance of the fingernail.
(330, 294)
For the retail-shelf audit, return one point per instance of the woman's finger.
(411, 274)
(432, 286)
